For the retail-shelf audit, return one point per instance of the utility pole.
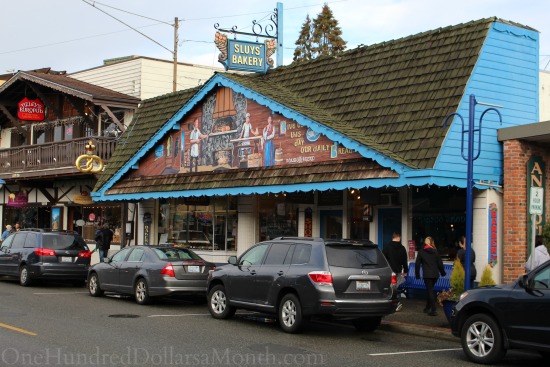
(175, 53)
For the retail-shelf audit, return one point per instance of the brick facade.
(516, 200)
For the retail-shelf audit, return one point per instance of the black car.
(45, 254)
(298, 278)
(151, 271)
(491, 320)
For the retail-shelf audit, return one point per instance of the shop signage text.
(18, 199)
(247, 56)
(30, 110)
(536, 181)
(493, 234)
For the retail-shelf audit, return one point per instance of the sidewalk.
(412, 320)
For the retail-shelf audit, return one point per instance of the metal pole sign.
(472, 153)
(249, 55)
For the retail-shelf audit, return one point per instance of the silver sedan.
(150, 271)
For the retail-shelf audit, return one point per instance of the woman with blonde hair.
(429, 260)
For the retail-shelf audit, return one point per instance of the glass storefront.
(28, 217)
(199, 223)
(439, 212)
(278, 215)
(96, 216)
(359, 216)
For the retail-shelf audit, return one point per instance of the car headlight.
(462, 296)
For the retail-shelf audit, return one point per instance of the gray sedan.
(150, 271)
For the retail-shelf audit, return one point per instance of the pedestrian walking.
(432, 266)
(540, 255)
(7, 232)
(396, 255)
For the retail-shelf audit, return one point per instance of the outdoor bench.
(443, 283)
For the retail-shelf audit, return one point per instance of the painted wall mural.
(238, 133)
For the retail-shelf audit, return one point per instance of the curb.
(420, 330)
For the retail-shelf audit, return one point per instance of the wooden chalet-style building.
(46, 120)
(350, 146)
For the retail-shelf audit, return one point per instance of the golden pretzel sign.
(89, 162)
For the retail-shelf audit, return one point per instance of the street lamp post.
(470, 157)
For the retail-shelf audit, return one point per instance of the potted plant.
(487, 277)
(448, 298)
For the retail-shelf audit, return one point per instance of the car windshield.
(175, 253)
(351, 256)
(63, 242)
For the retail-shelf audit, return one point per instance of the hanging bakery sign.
(31, 110)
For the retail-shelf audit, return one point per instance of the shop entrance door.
(389, 221)
(331, 224)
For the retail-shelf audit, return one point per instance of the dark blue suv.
(43, 254)
(491, 320)
(298, 278)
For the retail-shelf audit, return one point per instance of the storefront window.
(439, 213)
(200, 223)
(359, 216)
(278, 217)
(96, 216)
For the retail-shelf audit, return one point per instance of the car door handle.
(280, 272)
(253, 272)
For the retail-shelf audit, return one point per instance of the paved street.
(60, 325)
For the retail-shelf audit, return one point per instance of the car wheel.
(367, 323)
(218, 304)
(141, 292)
(93, 286)
(290, 314)
(481, 339)
(24, 277)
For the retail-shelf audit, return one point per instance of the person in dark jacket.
(396, 255)
(461, 255)
(428, 258)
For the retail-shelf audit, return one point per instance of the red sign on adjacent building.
(30, 110)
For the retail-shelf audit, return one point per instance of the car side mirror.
(106, 260)
(232, 260)
(524, 282)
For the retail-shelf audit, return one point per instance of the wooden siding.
(506, 74)
(122, 77)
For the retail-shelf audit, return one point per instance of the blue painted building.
(350, 146)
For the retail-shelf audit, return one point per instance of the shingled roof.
(74, 87)
(391, 97)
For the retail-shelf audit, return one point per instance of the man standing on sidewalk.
(396, 255)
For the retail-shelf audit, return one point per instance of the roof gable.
(71, 86)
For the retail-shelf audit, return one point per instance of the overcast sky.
(72, 35)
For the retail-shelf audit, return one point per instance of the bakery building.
(354, 146)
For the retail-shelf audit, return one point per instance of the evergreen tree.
(327, 38)
(303, 51)
(322, 37)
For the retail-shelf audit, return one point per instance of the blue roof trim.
(220, 80)
(320, 186)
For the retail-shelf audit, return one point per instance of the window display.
(199, 223)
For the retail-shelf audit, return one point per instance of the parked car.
(32, 254)
(491, 320)
(299, 278)
(150, 271)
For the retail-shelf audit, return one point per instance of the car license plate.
(66, 259)
(193, 269)
(362, 285)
